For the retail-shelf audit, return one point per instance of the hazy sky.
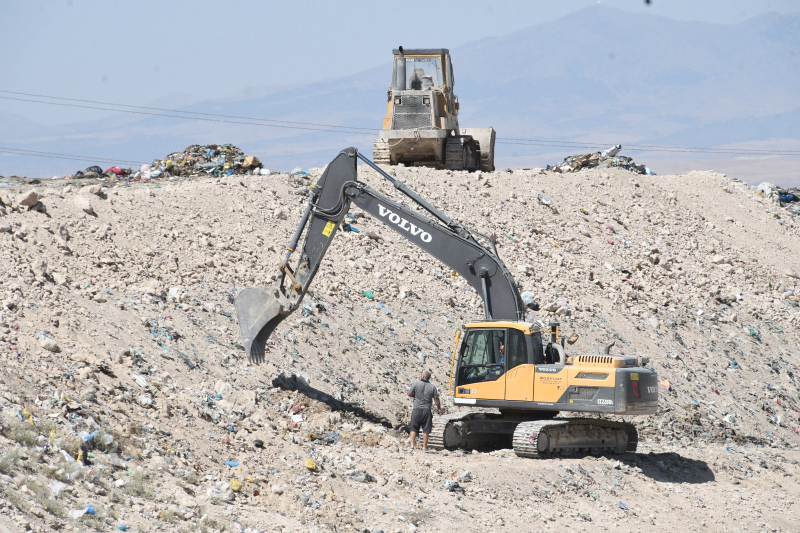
(136, 52)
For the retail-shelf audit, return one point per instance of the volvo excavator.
(519, 369)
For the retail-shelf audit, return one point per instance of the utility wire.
(312, 126)
(646, 147)
(673, 149)
(56, 155)
(361, 130)
(183, 117)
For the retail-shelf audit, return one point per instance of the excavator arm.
(260, 309)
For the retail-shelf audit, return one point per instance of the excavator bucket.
(259, 310)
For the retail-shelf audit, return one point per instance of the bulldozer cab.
(415, 70)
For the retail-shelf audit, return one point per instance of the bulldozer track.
(531, 438)
(455, 153)
(485, 159)
(381, 154)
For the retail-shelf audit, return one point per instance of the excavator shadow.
(669, 467)
(293, 383)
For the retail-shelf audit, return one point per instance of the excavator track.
(454, 430)
(537, 438)
(436, 440)
(381, 154)
(547, 438)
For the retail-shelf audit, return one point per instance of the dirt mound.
(127, 399)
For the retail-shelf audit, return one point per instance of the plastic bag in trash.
(527, 299)
(363, 477)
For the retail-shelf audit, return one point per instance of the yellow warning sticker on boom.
(329, 228)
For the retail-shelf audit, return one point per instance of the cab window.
(482, 356)
(516, 349)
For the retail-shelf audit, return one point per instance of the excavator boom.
(260, 310)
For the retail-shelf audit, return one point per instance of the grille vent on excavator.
(583, 393)
(595, 360)
(591, 375)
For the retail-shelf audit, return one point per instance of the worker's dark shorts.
(421, 418)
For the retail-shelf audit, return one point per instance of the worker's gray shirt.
(424, 392)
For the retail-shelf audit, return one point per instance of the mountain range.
(599, 76)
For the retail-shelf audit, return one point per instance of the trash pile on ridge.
(212, 159)
(604, 159)
(195, 160)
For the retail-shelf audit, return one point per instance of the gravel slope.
(117, 317)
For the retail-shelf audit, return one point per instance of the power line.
(645, 147)
(361, 130)
(312, 126)
(182, 117)
(56, 155)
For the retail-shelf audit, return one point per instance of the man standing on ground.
(424, 393)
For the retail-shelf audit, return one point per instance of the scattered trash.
(67, 456)
(232, 463)
(605, 159)
(530, 303)
(362, 477)
(56, 487)
(300, 172)
(622, 505)
(311, 466)
(453, 486)
(77, 513)
(235, 485)
(369, 294)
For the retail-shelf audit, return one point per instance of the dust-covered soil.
(127, 402)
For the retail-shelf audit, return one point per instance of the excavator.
(516, 368)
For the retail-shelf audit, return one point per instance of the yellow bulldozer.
(421, 125)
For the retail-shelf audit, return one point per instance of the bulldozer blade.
(259, 311)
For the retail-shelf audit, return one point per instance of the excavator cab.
(493, 361)
(513, 365)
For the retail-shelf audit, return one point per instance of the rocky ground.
(127, 402)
